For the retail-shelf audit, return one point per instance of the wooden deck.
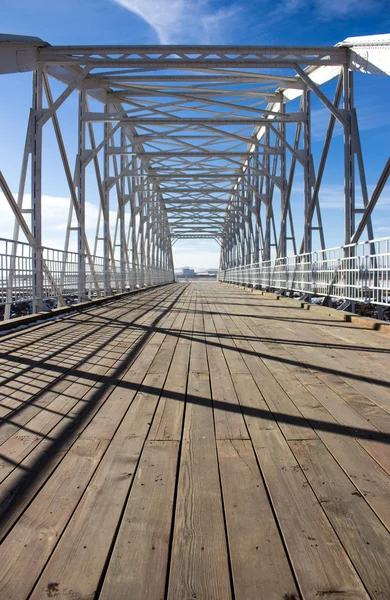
(195, 442)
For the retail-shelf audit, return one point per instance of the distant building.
(188, 272)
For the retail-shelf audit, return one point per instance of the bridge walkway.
(195, 442)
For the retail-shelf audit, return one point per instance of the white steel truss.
(192, 142)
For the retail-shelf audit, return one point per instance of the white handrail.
(349, 272)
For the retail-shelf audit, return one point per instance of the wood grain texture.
(195, 442)
(259, 563)
(199, 563)
(138, 564)
(360, 531)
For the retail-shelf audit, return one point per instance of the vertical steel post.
(141, 232)
(307, 171)
(121, 214)
(80, 183)
(147, 235)
(267, 236)
(349, 175)
(106, 209)
(283, 186)
(36, 192)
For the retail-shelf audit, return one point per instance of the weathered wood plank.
(322, 567)
(138, 564)
(259, 563)
(360, 531)
(168, 421)
(94, 522)
(27, 547)
(199, 563)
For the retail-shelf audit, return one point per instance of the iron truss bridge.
(204, 142)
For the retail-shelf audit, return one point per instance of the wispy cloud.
(54, 220)
(181, 21)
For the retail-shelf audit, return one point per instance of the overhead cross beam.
(193, 142)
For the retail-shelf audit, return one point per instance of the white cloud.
(197, 259)
(193, 256)
(201, 254)
(55, 211)
(180, 21)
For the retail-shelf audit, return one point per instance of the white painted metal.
(349, 273)
(61, 278)
(193, 142)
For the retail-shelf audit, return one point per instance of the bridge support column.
(80, 183)
(267, 234)
(121, 217)
(349, 175)
(307, 243)
(148, 207)
(283, 187)
(36, 192)
(106, 209)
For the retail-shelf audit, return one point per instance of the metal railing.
(357, 272)
(61, 278)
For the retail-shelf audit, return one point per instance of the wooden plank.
(22, 485)
(97, 367)
(86, 542)
(363, 405)
(259, 562)
(24, 441)
(79, 335)
(229, 422)
(315, 388)
(81, 341)
(321, 565)
(105, 423)
(360, 531)
(26, 549)
(199, 562)
(168, 421)
(293, 424)
(53, 494)
(354, 374)
(164, 355)
(94, 522)
(257, 413)
(356, 424)
(144, 535)
(367, 475)
(228, 419)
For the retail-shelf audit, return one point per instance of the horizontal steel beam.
(188, 190)
(196, 154)
(296, 117)
(230, 77)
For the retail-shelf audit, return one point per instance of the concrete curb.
(341, 315)
(12, 324)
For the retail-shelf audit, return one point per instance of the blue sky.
(264, 22)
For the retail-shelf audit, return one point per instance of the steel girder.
(193, 142)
